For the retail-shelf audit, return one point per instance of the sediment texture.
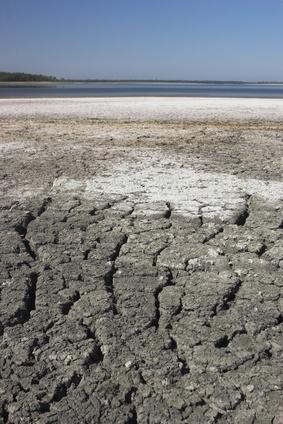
(111, 317)
(118, 308)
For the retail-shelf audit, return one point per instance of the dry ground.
(141, 271)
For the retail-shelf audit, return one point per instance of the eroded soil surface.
(134, 308)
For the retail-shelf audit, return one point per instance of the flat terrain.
(141, 261)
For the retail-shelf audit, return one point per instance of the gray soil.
(121, 302)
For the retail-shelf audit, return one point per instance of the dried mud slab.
(141, 271)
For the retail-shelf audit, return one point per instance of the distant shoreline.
(28, 78)
(102, 81)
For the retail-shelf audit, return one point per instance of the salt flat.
(146, 108)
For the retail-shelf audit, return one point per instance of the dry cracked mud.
(122, 302)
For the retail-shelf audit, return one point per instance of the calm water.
(142, 89)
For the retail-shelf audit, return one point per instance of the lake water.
(111, 89)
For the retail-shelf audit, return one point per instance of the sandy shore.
(141, 261)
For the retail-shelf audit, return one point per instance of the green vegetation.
(22, 77)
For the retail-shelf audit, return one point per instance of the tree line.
(21, 76)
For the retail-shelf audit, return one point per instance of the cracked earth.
(141, 271)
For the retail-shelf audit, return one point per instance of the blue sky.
(165, 39)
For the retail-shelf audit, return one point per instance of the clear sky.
(164, 39)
